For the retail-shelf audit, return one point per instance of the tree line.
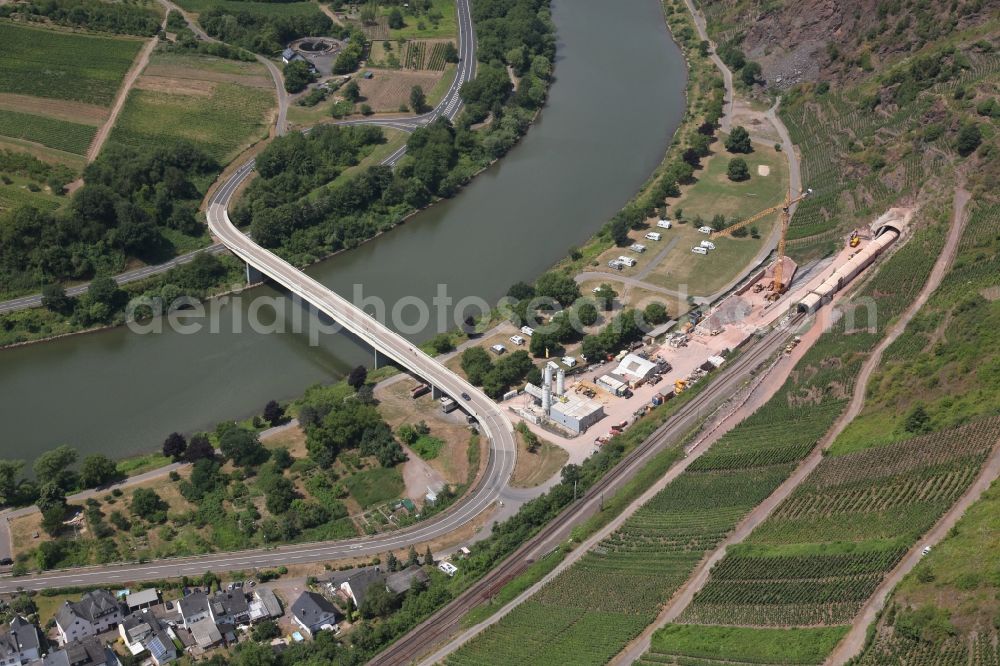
(117, 18)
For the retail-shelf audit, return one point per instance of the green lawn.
(374, 486)
(63, 65)
(447, 25)
(223, 123)
(428, 447)
(59, 134)
(714, 194)
(758, 646)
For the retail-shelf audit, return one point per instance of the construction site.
(607, 396)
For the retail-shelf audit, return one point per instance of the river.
(616, 101)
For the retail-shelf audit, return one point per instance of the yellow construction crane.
(776, 285)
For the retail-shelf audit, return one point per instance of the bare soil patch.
(397, 408)
(175, 86)
(387, 89)
(534, 469)
(74, 112)
(171, 71)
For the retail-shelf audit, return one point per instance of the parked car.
(498, 349)
(705, 230)
(664, 224)
(527, 330)
(517, 339)
(708, 245)
(697, 249)
(653, 236)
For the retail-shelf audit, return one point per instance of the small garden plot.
(375, 486)
(437, 59)
(427, 447)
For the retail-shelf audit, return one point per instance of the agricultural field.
(200, 100)
(388, 89)
(274, 9)
(50, 132)
(825, 549)
(63, 65)
(683, 644)
(944, 611)
(439, 21)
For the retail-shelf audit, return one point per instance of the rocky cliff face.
(796, 41)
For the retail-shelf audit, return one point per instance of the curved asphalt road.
(497, 428)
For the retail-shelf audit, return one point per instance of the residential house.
(143, 631)
(230, 607)
(356, 582)
(403, 581)
(86, 652)
(96, 612)
(206, 634)
(19, 643)
(264, 605)
(314, 612)
(194, 608)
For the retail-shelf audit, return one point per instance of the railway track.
(422, 638)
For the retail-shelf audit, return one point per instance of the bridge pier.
(254, 276)
(435, 392)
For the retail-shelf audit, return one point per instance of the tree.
(352, 92)
(450, 52)
(738, 170)
(738, 140)
(54, 298)
(241, 446)
(476, 363)
(396, 19)
(442, 343)
(265, 631)
(10, 481)
(751, 73)
(378, 602)
(411, 556)
(656, 313)
(558, 286)
(969, 138)
(586, 313)
(392, 564)
(97, 470)
(174, 446)
(605, 296)
(148, 505)
(298, 75)
(279, 493)
(357, 377)
(418, 100)
(52, 504)
(199, 448)
(274, 413)
(428, 557)
(53, 467)
(917, 420)
(520, 291)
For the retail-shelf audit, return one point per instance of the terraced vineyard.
(58, 134)
(684, 645)
(220, 117)
(632, 572)
(62, 65)
(826, 548)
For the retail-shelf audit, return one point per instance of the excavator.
(777, 287)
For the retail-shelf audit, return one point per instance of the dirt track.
(130, 78)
